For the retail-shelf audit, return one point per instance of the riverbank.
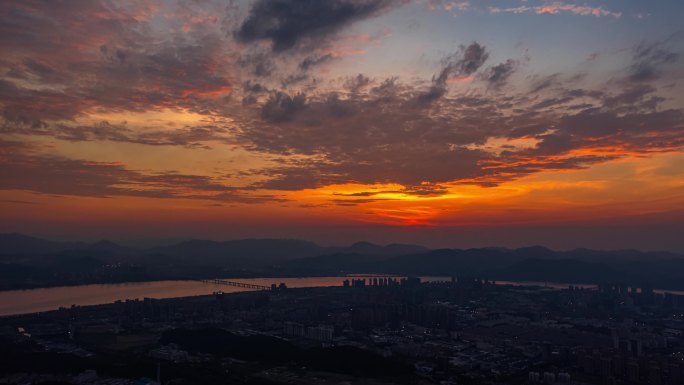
(44, 299)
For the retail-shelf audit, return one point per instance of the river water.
(39, 300)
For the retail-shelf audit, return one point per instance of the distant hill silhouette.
(245, 249)
(23, 244)
(248, 249)
(367, 248)
(556, 270)
(665, 270)
(37, 262)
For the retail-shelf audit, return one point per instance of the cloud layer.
(269, 83)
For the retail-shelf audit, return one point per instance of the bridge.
(235, 284)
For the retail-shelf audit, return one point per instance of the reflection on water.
(37, 300)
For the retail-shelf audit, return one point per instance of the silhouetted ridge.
(558, 270)
(23, 244)
(38, 262)
(265, 249)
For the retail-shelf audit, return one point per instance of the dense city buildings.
(365, 331)
(341, 192)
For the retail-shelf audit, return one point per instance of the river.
(38, 300)
(51, 298)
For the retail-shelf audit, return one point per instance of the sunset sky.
(445, 123)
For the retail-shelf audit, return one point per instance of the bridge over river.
(236, 284)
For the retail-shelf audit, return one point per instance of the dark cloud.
(295, 178)
(281, 107)
(294, 79)
(357, 83)
(435, 92)
(78, 56)
(260, 64)
(498, 75)
(340, 107)
(471, 59)
(649, 59)
(499, 171)
(462, 63)
(312, 61)
(355, 202)
(286, 22)
(378, 136)
(386, 90)
(25, 168)
(425, 190)
(545, 82)
(46, 29)
(634, 98)
(67, 60)
(188, 136)
(637, 131)
(249, 100)
(254, 87)
(550, 102)
(31, 108)
(371, 138)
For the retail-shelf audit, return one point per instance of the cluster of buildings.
(322, 333)
(452, 332)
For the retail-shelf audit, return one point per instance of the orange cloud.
(207, 93)
(557, 8)
(460, 79)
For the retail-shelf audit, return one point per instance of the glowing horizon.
(447, 123)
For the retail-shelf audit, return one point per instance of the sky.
(445, 123)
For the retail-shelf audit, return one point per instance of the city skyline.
(444, 123)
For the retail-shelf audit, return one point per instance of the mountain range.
(27, 261)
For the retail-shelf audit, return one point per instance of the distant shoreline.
(37, 300)
(511, 280)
